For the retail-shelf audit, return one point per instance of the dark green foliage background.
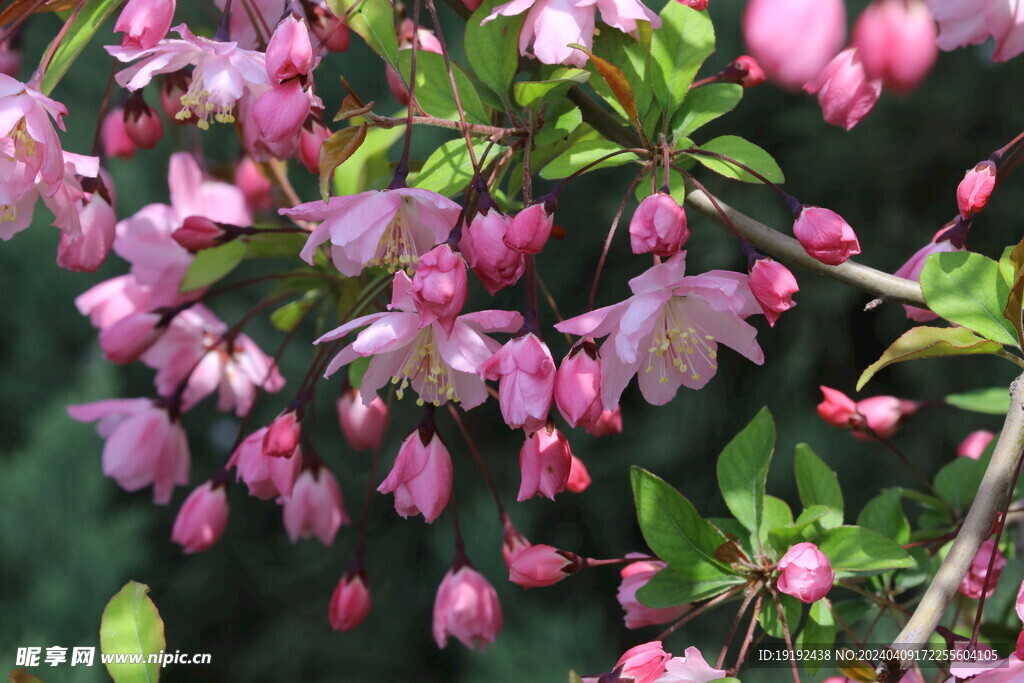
(71, 538)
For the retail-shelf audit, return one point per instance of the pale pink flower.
(896, 42)
(635, 576)
(389, 228)
(114, 135)
(692, 668)
(87, 250)
(825, 235)
(145, 445)
(974, 444)
(545, 461)
(289, 51)
(805, 573)
(421, 478)
(526, 372)
(911, 270)
(266, 477)
(466, 607)
(793, 40)
(1019, 606)
(668, 332)
(250, 22)
(610, 422)
(438, 366)
(223, 73)
(974, 190)
(112, 300)
(973, 584)
(658, 226)
(131, 336)
(543, 565)
(579, 478)
(483, 246)
(144, 22)
(27, 135)
(773, 285)
(578, 385)
(439, 287)
(969, 22)
(315, 507)
(362, 424)
(256, 144)
(283, 434)
(1010, 670)
(202, 519)
(644, 663)
(350, 602)
(844, 91)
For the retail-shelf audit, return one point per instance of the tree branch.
(977, 526)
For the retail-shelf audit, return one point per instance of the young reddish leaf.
(1015, 301)
(350, 107)
(618, 82)
(335, 151)
(930, 342)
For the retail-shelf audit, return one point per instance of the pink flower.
(256, 143)
(974, 190)
(27, 135)
(466, 607)
(529, 229)
(635, 576)
(513, 542)
(879, 416)
(658, 226)
(111, 300)
(578, 385)
(311, 139)
(793, 40)
(141, 123)
(280, 112)
(543, 565)
(422, 476)
(10, 57)
(699, 5)
(439, 287)
(350, 602)
(266, 477)
(805, 573)
(838, 409)
(844, 91)
(20, 191)
(87, 250)
(773, 286)
(973, 583)
(289, 52)
(253, 184)
(544, 464)
(223, 73)
(911, 270)
(114, 135)
(667, 333)
(329, 29)
(363, 424)
(145, 444)
(896, 42)
(969, 22)
(131, 336)
(144, 22)
(643, 663)
(202, 519)
(282, 437)
(197, 233)
(825, 235)
(389, 228)
(692, 668)
(974, 444)
(579, 479)
(438, 366)
(483, 246)
(526, 372)
(610, 422)
(315, 507)
(408, 34)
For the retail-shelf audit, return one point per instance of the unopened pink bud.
(266, 477)
(529, 230)
(467, 608)
(975, 444)
(658, 226)
(197, 233)
(974, 584)
(544, 463)
(363, 425)
(635, 576)
(145, 22)
(282, 437)
(422, 476)
(644, 663)
(280, 112)
(175, 86)
(825, 235)
(330, 31)
(579, 478)
(253, 184)
(745, 71)
(289, 52)
(844, 91)
(311, 139)
(141, 123)
(578, 385)
(130, 337)
(884, 415)
(513, 543)
(87, 250)
(805, 573)
(793, 40)
(543, 565)
(116, 142)
(439, 287)
(316, 507)
(610, 422)
(483, 246)
(838, 409)
(350, 602)
(202, 519)
(896, 41)
(527, 373)
(699, 5)
(975, 189)
(773, 286)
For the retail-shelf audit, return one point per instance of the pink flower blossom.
(975, 189)
(350, 602)
(362, 424)
(543, 565)
(282, 437)
(145, 445)
(330, 30)
(439, 287)
(658, 226)
(838, 409)
(27, 135)
(483, 246)
(635, 576)
(579, 479)
(974, 444)
(254, 185)
(773, 285)
(793, 40)
(144, 22)
(315, 507)
(466, 607)
(668, 332)
(896, 42)
(422, 476)
(844, 91)
(911, 270)
(131, 336)
(85, 252)
(692, 668)
(289, 51)
(389, 228)
(202, 519)
(610, 422)
(114, 135)
(825, 235)
(973, 584)
(529, 229)
(111, 300)
(311, 140)
(438, 366)
(578, 385)
(970, 22)
(266, 477)
(280, 112)
(805, 573)
(879, 416)
(545, 461)
(526, 372)
(643, 663)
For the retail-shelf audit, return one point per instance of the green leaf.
(958, 481)
(434, 90)
(884, 514)
(854, 548)
(670, 589)
(675, 531)
(818, 485)
(531, 93)
(132, 625)
(1015, 299)
(776, 513)
(994, 401)
(275, 245)
(335, 151)
(493, 48)
(211, 265)
(449, 169)
(768, 617)
(287, 317)
(930, 342)
(374, 21)
(704, 105)
(561, 118)
(967, 289)
(743, 471)
(583, 153)
(574, 677)
(356, 370)
(744, 152)
(78, 35)
(781, 538)
(686, 38)
(819, 633)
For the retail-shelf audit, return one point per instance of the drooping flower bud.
(658, 226)
(513, 542)
(526, 372)
(805, 573)
(329, 29)
(363, 425)
(643, 663)
(975, 189)
(439, 287)
(973, 584)
(744, 70)
(253, 184)
(311, 139)
(884, 415)
(282, 435)
(202, 519)
(838, 409)
(131, 336)
(610, 422)
(844, 91)
(896, 42)
(578, 385)
(530, 228)
(350, 602)
(483, 245)
(280, 111)
(145, 22)
(466, 607)
(793, 40)
(266, 477)
(116, 142)
(421, 478)
(543, 565)
(544, 464)
(175, 86)
(197, 233)
(579, 478)
(635, 576)
(316, 507)
(773, 286)
(974, 444)
(86, 251)
(825, 235)
(141, 123)
(289, 52)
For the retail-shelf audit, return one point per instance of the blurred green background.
(258, 604)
